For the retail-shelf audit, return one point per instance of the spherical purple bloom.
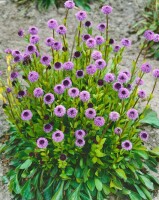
(49, 98)
(100, 82)
(100, 64)
(58, 66)
(14, 75)
(38, 92)
(139, 81)
(91, 43)
(8, 90)
(96, 55)
(111, 41)
(126, 42)
(15, 53)
(8, 51)
(67, 83)
(68, 65)
(33, 30)
(58, 136)
(106, 9)
(73, 92)
(80, 134)
(156, 38)
(149, 35)
(61, 30)
(99, 121)
(59, 89)
(45, 60)
(33, 76)
(122, 77)
(79, 73)
(132, 114)
(141, 94)
(57, 46)
(109, 77)
(123, 93)
(88, 24)
(114, 116)
(60, 111)
(72, 112)
(90, 113)
(85, 37)
(127, 145)
(21, 32)
(117, 48)
(52, 24)
(127, 73)
(63, 157)
(99, 40)
(69, 4)
(77, 54)
(42, 142)
(91, 69)
(81, 15)
(80, 142)
(144, 136)
(117, 86)
(47, 128)
(26, 115)
(18, 58)
(22, 93)
(155, 73)
(101, 27)
(118, 130)
(34, 39)
(129, 86)
(31, 49)
(84, 96)
(146, 67)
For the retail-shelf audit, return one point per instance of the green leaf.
(151, 118)
(134, 196)
(76, 194)
(26, 190)
(116, 184)
(69, 171)
(121, 174)
(106, 189)
(147, 193)
(141, 193)
(146, 182)
(98, 184)
(91, 184)
(59, 193)
(26, 164)
(155, 151)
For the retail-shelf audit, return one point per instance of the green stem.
(79, 33)
(106, 33)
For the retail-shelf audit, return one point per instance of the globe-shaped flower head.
(106, 9)
(81, 15)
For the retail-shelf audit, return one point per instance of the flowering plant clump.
(75, 126)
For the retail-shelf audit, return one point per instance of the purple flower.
(58, 66)
(72, 112)
(81, 15)
(18, 58)
(80, 142)
(146, 67)
(127, 145)
(141, 94)
(132, 114)
(129, 87)
(100, 82)
(61, 30)
(34, 39)
(96, 55)
(155, 73)
(111, 41)
(99, 40)
(79, 73)
(1, 73)
(38, 92)
(47, 128)
(156, 38)
(22, 94)
(42, 142)
(79, 134)
(45, 60)
(126, 42)
(58, 136)
(99, 121)
(77, 54)
(122, 77)
(109, 77)
(73, 92)
(118, 130)
(68, 65)
(85, 37)
(123, 93)
(31, 49)
(114, 116)
(49, 98)
(90, 113)
(69, 4)
(8, 51)
(16, 53)
(149, 35)
(117, 48)
(88, 24)
(57, 46)
(59, 89)
(117, 86)
(67, 83)
(100, 64)
(101, 27)
(21, 32)
(144, 136)
(127, 73)
(91, 43)
(106, 10)
(60, 111)
(49, 41)
(33, 76)
(63, 157)
(91, 69)
(8, 90)
(14, 75)
(26, 115)
(139, 81)
(84, 96)
(33, 30)
(52, 24)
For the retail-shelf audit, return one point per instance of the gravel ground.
(125, 13)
